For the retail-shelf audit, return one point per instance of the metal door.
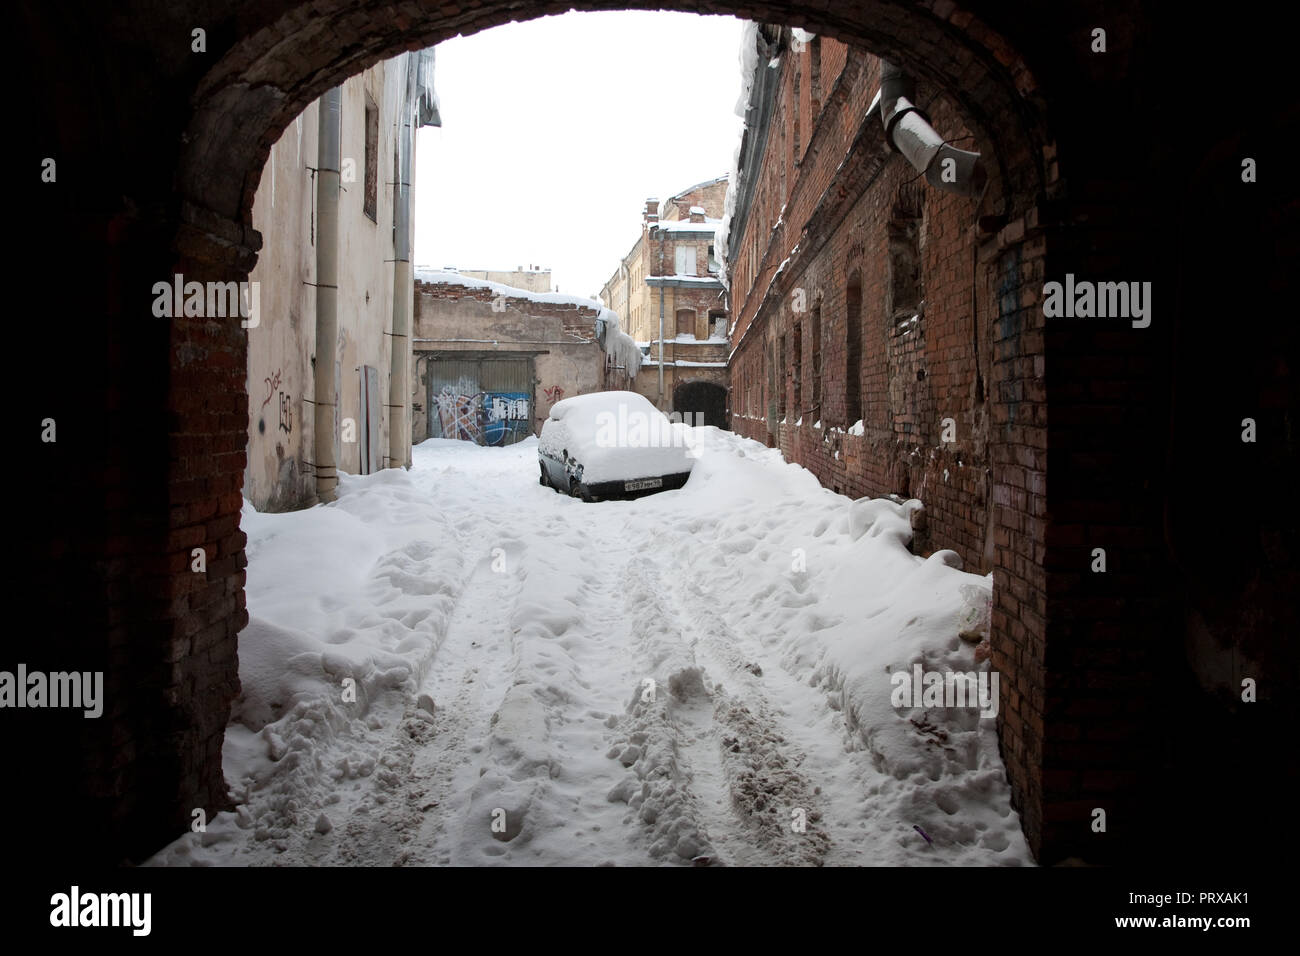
(484, 399)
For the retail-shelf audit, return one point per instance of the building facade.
(374, 116)
(531, 279)
(490, 360)
(670, 286)
(861, 315)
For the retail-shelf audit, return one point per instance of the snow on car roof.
(616, 436)
(593, 403)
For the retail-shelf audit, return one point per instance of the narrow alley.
(697, 676)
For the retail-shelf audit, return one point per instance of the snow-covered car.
(612, 445)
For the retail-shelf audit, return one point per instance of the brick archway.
(160, 153)
(293, 51)
(296, 51)
(705, 400)
(163, 163)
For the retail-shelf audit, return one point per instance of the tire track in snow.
(713, 778)
(543, 765)
(775, 807)
(433, 766)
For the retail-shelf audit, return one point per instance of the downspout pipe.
(399, 383)
(662, 293)
(327, 292)
(908, 131)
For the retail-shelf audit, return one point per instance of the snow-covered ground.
(455, 665)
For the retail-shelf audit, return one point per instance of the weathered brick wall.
(917, 368)
(951, 375)
(577, 321)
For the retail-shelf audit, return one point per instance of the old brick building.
(853, 286)
(1160, 156)
(490, 360)
(529, 278)
(669, 285)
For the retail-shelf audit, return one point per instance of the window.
(796, 368)
(372, 160)
(685, 260)
(796, 140)
(780, 380)
(770, 394)
(853, 351)
(816, 361)
(686, 322)
(815, 76)
(714, 265)
(905, 256)
(718, 325)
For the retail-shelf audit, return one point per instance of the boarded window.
(685, 260)
(853, 351)
(685, 322)
(905, 255)
(815, 363)
(796, 368)
(780, 380)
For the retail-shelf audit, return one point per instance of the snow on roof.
(748, 62)
(427, 109)
(685, 225)
(701, 280)
(614, 340)
(707, 182)
(697, 210)
(446, 277)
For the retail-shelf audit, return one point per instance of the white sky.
(555, 131)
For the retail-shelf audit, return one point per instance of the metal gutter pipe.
(327, 292)
(909, 132)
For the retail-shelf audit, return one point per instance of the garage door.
(486, 400)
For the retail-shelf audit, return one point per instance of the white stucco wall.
(278, 475)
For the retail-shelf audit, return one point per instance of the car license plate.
(641, 483)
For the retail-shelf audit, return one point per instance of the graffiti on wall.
(459, 415)
(272, 384)
(485, 418)
(286, 412)
(553, 394)
(507, 417)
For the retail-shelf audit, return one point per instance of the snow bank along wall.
(462, 322)
(891, 338)
(1092, 173)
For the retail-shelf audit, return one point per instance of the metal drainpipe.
(327, 291)
(909, 132)
(661, 326)
(399, 385)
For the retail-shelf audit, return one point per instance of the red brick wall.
(952, 404)
(578, 321)
(912, 377)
